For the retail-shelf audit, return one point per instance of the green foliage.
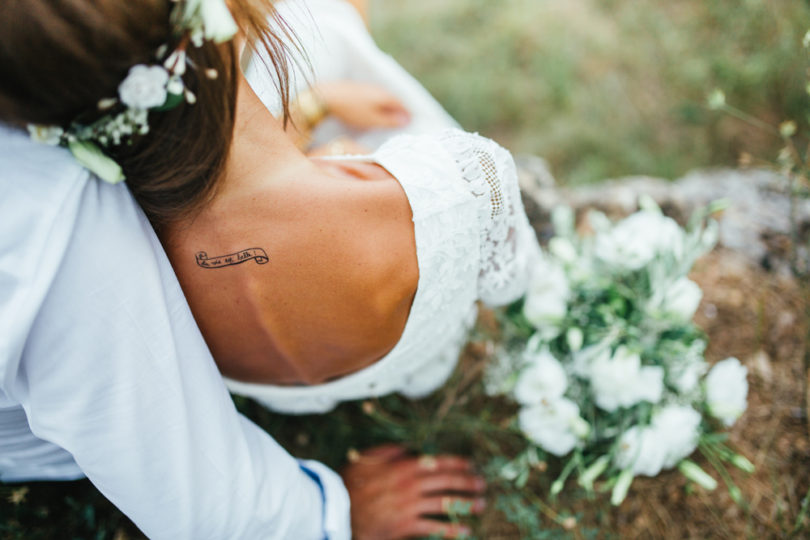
(604, 88)
(48, 510)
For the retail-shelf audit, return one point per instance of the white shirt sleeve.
(105, 358)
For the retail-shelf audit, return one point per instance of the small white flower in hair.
(50, 135)
(144, 87)
(217, 21)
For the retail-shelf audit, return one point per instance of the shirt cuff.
(336, 505)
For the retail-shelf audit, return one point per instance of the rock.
(756, 224)
(760, 365)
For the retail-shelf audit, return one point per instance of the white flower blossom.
(547, 299)
(585, 358)
(621, 381)
(500, 375)
(543, 379)
(686, 377)
(50, 135)
(175, 85)
(555, 426)
(563, 249)
(679, 301)
(637, 239)
(144, 87)
(217, 21)
(727, 390)
(672, 437)
(678, 430)
(176, 63)
(642, 450)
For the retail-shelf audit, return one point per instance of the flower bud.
(694, 473)
(93, 159)
(619, 492)
(592, 473)
(575, 338)
(742, 463)
(717, 99)
(787, 129)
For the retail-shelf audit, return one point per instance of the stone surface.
(756, 223)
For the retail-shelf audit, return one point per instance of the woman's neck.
(260, 150)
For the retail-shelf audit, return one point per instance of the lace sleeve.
(508, 244)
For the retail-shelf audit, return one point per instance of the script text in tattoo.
(255, 254)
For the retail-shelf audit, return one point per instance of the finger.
(394, 115)
(447, 505)
(385, 451)
(429, 527)
(457, 482)
(430, 463)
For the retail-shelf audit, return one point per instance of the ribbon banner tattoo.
(256, 254)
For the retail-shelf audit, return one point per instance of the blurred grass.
(607, 88)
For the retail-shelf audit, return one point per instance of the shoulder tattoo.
(232, 259)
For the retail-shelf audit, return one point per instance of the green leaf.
(93, 159)
(172, 101)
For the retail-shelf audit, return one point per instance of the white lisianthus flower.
(563, 249)
(144, 87)
(727, 390)
(217, 21)
(547, 299)
(637, 239)
(678, 430)
(621, 381)
(686, 377)
(681, 300)
(642, 450)
(50, 135)
(554, 425)
(585, 358)
(543, 379)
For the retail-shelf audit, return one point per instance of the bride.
(313, 280)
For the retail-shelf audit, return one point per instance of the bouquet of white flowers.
(605, 362)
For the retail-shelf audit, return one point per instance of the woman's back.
(369, 260)
(336, 287)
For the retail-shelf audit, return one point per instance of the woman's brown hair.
(58, 58)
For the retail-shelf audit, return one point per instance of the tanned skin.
(341, 274)
(302, 270)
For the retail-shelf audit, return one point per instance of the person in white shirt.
(103, 371)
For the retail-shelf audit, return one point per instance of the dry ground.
(761, 318)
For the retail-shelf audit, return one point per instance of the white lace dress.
(473, 242)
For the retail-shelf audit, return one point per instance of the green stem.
(802, 514)
(559, 483)
(752, 120)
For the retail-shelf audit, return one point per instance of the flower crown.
(154, 87)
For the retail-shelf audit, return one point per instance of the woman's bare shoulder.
(302, 280)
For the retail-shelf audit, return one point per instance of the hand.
(362, 105)
(393, 494)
